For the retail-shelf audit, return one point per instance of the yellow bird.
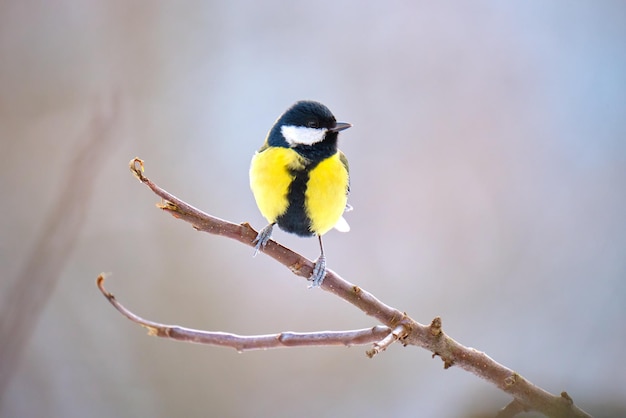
(300, 179)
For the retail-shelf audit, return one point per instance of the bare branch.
(405, 329)
(513, 408)
(398, 333)
(244, 233)
(255, 342)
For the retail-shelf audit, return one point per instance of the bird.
(300, 179)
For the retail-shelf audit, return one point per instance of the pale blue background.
(488, 159)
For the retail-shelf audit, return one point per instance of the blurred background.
(488, 168)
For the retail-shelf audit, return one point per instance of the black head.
(308, 127)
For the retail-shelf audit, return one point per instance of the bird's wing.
(344, 161)
(342, 224)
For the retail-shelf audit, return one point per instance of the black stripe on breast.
(295, 219)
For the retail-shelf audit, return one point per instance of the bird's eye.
(312, 124)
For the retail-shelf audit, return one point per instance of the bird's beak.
(340, 126)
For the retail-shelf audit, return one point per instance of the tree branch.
(526, 396)
(256, 342)
(512, 409)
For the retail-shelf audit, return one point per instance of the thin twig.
(398, 333)
(255, 342)
(513, 408)
(406, 330)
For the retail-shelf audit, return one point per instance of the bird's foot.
(319, 272)
(262, 238)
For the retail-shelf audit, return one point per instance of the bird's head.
(308, 127)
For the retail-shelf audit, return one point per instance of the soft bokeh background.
(488, 161)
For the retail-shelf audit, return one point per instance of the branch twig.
(526, 396)
(398, 333)
(512, 409)
(256, 342)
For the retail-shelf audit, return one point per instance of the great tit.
(300, 179)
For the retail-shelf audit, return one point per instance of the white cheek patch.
(301, 135)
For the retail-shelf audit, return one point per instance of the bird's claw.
(319, 272)
(262, 238)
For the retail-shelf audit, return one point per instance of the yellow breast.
(326, 194)
(324, 199)
(270, 179)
